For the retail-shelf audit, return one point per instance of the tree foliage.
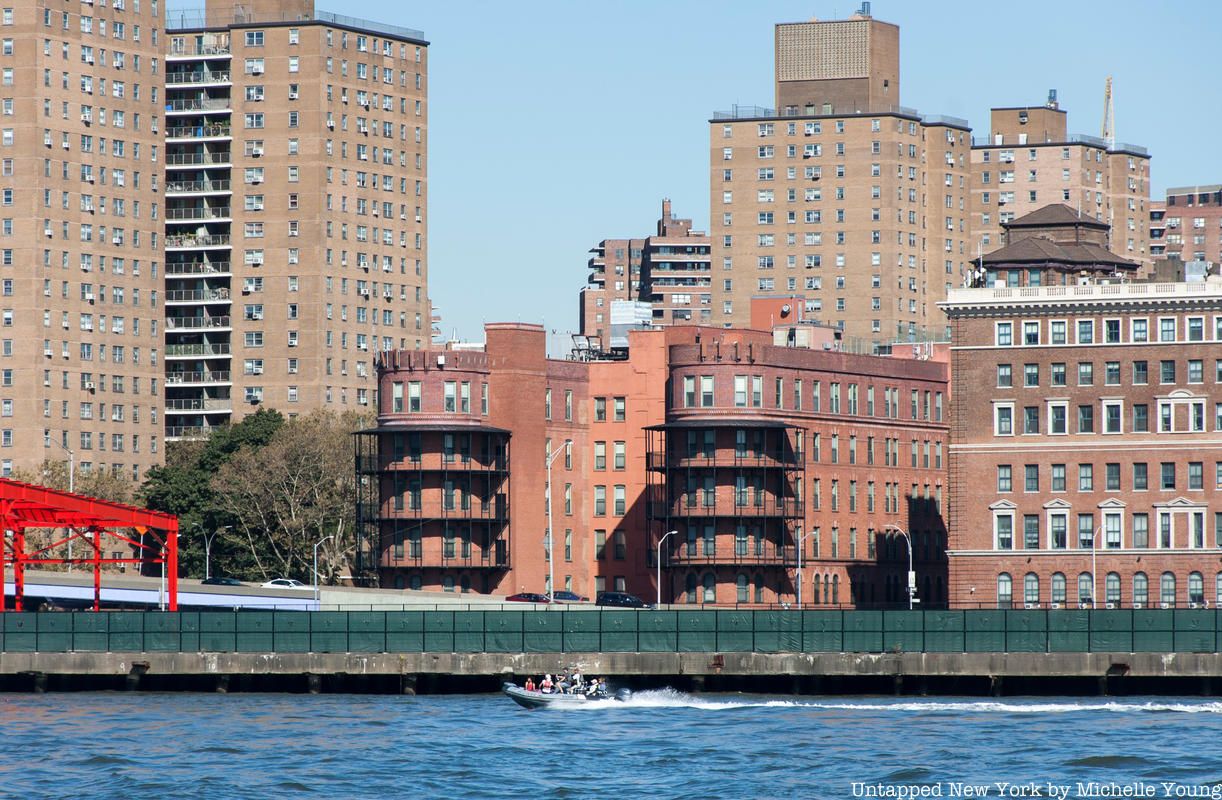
(263, 491)
(292, 493)
(183, 487)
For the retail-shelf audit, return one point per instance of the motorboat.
(533, 699)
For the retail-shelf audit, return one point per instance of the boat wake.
(672, 698)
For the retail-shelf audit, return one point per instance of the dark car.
(569, 597)
(222, 582)
(528, 597)
(620, 600)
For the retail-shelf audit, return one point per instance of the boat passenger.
(547, 685)
(530, 684)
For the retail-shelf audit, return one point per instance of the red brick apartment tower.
(296, 201)
(80, 235)
(1086, 460)
(1192, 223)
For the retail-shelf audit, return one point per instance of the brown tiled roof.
(1056, 214)
(1072, 257)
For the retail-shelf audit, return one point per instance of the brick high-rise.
(296, 201)
(840, 196)
(80, 235)
(1029, 160)
(669, 270)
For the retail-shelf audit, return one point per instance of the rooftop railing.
(195, 18)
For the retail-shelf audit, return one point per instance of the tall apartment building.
(80, 235)
(1029, 160)
(840, 196)
(1192, 223)
(669, 270)
(295, 219)
(777, 466)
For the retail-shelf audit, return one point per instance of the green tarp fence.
(592, 630)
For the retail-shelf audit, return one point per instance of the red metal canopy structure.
(85, 519)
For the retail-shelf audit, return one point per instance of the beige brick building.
(840, 196)
(80, 235)
(1192, 223)
(295, 221)
(669, 270)
(1029, 160)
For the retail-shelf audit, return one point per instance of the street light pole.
(911, 572)
(316, 544)
(801, 551)
(659, 565)
(208, 550)
(551, 577)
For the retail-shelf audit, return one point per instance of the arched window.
(928, 595)
(818, 579)
(447, 583)
(1196, 589)
(1111, 590)
(1058, 587)
(759, 588)
(691, 587)
(1166, 593)
(1086, 588)
(1031, 589)
(1005, 590)
(1218, 589)
(400, 582)
(464, 584)
(710, 588)
(415, 583)
(744, 590)
(836, 590)
(1141, 590)
(827, 589)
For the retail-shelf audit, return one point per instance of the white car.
(284, 583)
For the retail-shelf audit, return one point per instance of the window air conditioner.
(1139, 605)
(256, 180)
(363, 401)
(89, 387)
(65, 145)
(256, 370)
(85, 118)
(1111, 606)
(256, 70)
(1054, 605)
(331, 124)
(256, 151)
(1031, 605)
(292, 95)
(1164, 604)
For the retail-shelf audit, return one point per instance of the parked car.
(284, 583)
(527, 597)
(620, 600)
(569, 597)
(222, 582)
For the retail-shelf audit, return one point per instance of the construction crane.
(1109, 115)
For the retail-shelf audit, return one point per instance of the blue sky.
(556, 124)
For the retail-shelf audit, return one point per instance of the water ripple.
(662, 744)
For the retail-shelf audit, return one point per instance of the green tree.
(292, 492)
(183, 487)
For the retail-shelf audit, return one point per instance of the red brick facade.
(1087, 455)
(793, 446)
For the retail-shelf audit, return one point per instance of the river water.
(661, 744)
